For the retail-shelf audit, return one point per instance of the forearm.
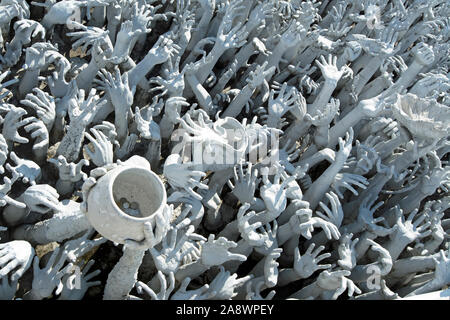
(343, 125)
(62, 226)
(321, 137)
(13, 215)
(122, 49)
(40, 154)
(374, 88)
(315, 159)
(210, 61)
(72, 142)
(396, 246)
(153, 153)
(323, 97)
(313, 290)
(284, 233)
(29, 81)
(64, 187)
(366, 74)
(136, 74)
(122, 278)
(317, 190)
(416, 264)
(112, 28)
(121, 123)
(275, 57)
(32, 295)
(243, 248)
(191, 270)
(239, 60)
(407, 202)
(201, 29)
(297, 129)
(287, 276)
(231, 231)
(407, 78)
(235, 107)
(87, 75)
(202, 95)
(426, 288)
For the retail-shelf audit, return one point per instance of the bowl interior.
(138, 192)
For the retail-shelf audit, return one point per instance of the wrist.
(330, 84)
(218, 49)
(33, 295)
(396, 246)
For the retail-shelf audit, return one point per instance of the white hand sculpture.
(41, 198)
(385, 258)
(173, 107)
(77, 290)
(346, 180)
(102, 153)
(180, 175)
(12, 123)
(347, 253)
(201, 293)
(43, 104)
(15, 258)
(331, 231)
(8, 289)
(76, 248)
(256, 295)
(28, 170)
(152, 238)
(228, 37)
(81, 113)
(442, 270)
(70, 171)
(39, 132)
(367, 156)
(169, 258)
(269, 234)
(225, 285)
(47, 279)
(81, 110)
(6, 187)
(329, 69)
(247, 230)
(118, 89)
(215, 252)
(365, 216)
(163, 49)
(285, 101)
(148, 129)
(244, 185)
(308, 263)
(324, 116)
(164, 292)
(275, 194)
(336, 214)
(409, 230)
(271, 267)
(336, 281)
(374, 106)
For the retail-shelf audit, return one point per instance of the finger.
(8, 268)
(235, 256)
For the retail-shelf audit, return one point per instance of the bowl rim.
(153, 176)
